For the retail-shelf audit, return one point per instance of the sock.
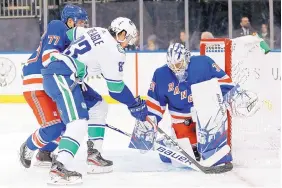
(35, 140)
(70, 141)
(51, 146)
(96, 134)
(41, 137)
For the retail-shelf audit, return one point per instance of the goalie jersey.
(54, 39)
(165, 88)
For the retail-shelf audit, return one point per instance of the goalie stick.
(185, 158)
(207, 170)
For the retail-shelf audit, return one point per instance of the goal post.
(238, 57)
(224, 47)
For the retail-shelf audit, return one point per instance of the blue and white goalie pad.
(211, 119)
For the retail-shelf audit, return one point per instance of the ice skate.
(59, 175)
(96, 163)
(196, 153)
(43, 159)
(25, 155)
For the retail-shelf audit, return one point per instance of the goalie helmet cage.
(221, 45)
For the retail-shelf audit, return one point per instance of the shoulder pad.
(57, 24)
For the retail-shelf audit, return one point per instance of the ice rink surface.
(256, 152)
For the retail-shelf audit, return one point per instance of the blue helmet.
(74, 12)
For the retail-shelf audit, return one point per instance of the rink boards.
(265, 75)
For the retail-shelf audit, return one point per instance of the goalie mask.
(178, 58)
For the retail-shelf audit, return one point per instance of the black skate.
(25, 155)
(43, 159)
(59, 175)
(196, 153)
(96, 163)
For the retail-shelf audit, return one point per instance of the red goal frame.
(221, 45)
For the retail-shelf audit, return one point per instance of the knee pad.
(52, 132)
(98, 113)
(186, 131)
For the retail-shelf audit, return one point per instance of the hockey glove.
(242, 103)
(139, 109)
(80, 74)
(78, 68)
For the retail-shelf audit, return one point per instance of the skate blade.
(61, 182)
(42, 164)
(23, 166)
(93, 169)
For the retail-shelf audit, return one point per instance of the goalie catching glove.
(242, 103)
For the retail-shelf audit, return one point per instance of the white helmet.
(124, 24)
(178, 57)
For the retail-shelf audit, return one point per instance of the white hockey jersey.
(98, 50)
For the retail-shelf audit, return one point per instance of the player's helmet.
(178, 57)
(74, 12)
(124, 24)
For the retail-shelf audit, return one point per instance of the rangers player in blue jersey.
(57, 37)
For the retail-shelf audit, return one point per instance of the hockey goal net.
(220, 50)
(238, 57)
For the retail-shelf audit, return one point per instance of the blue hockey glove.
(139, 109)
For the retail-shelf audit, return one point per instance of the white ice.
(256, 152)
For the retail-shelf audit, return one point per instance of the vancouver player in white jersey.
(105, 56)
(95, 51)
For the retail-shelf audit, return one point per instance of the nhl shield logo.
(7, 72)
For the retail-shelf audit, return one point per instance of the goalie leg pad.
(183, 141)
(211, 118)
(163, 158)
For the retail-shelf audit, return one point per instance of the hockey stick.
(207, 170)
(183, 156)
(73, 85)
(163, 150)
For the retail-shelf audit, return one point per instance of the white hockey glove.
(242, 103)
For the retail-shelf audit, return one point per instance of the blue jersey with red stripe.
(165, 88)
(53, 40)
